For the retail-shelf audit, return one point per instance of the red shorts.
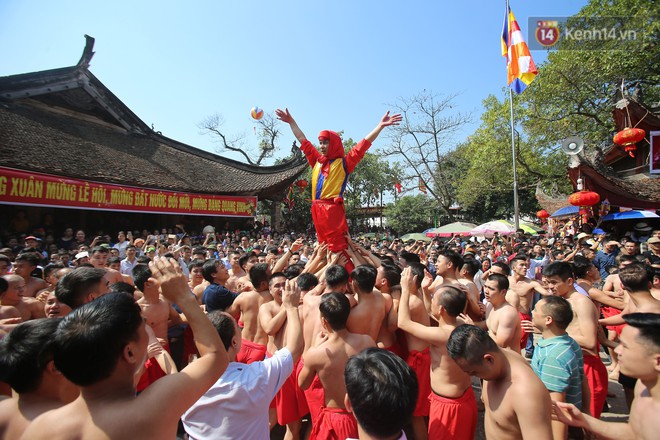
(315, 395)
(612, 311)
(290, 400)
(330, 223)
(250, 352)
(453, 418)
(420, 362)
(334, 424)
(403, 342)
(152, 372)
(396, 349)
(596, 375)
(523, 334)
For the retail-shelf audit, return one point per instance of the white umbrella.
(489, 229)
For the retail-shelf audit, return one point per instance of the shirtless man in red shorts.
(453, 411)
(328, 359)
(107, 406)
(246, 305)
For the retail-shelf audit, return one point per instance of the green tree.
(576, 89)
(573, 95)
(411, 214)
(371, 176)
(486, 189)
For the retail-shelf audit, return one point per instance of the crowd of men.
(229, 334)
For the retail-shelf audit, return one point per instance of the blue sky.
(335, 64)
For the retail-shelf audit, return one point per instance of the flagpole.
(516, 209)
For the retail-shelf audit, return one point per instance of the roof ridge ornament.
(87, 54)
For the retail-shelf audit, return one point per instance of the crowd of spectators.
(394, 298)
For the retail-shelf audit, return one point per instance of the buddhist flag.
(520, 67)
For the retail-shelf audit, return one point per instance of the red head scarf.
(335, 149)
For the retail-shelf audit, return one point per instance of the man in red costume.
(330, 171)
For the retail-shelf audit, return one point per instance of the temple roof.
(66, 122)
(636, 191)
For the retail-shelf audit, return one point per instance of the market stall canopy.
(456, 228)
(528, 228)
(568, 211)
(415, 236)
(629, 215)
(490, 228)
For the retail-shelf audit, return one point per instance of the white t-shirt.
(121, 247)
(236, 406)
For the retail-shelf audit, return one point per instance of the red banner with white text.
(36, 189)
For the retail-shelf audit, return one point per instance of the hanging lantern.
(302, 184)
(628, 137)
(584, 198)
(543, 214)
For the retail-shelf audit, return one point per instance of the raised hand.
(284, 115)
(466, 319)
(291, 294)
(428, 280)
(408, 279)
(297, 245)
(388, 120)
(173, 283)
(528, 326)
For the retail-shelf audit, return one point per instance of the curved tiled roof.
(66, 122)
(638, 191)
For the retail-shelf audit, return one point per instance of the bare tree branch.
(425, 137)
(268, 132)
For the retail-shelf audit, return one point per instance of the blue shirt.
(558, 362)
(217, 297)
(603, 261)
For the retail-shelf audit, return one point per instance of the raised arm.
(172, 395)
(271, 323)
(290, 301)
(385, 121)
(285, 116)
(405, 321)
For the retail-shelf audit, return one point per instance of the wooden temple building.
(624, 180)
(72, 150)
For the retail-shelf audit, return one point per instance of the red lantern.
(628, 137)
(543, 214)
(584, 198)
(302, 184)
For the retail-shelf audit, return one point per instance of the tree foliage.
(573, 95)
(576, 89)
(486, 189)
(411, 214)
(372, 177)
